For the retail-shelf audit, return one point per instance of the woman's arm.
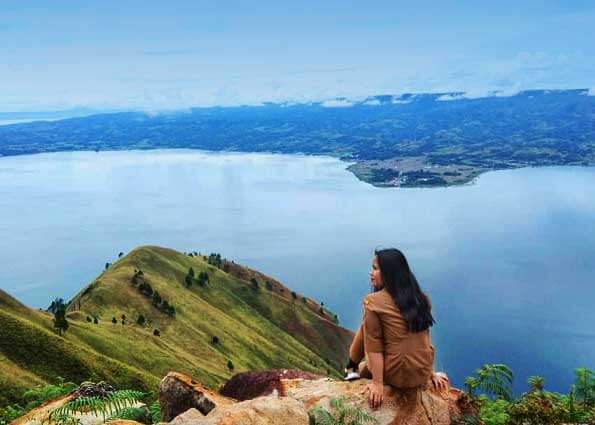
(376, 388)
(374, 347)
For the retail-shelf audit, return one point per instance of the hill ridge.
(218, 328)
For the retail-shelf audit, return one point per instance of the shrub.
(141, 320)
(95, 320)
(584, 386)
(535, 408)
(156, 332)
(494, 412)
(10, 413)
(230, 365)
(215, 340)
(341, 413)
(268, 285)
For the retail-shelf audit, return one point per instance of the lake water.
(508, 261)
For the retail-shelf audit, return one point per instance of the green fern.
(343, 413)
(105, 407)
(155, 411)
(536, 383)
(494, 379)
(138, 414)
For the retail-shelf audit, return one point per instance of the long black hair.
(402, 285)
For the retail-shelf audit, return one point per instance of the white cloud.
(450, 96)
(372, 102)
(337, 103)
(591, 91)
(478, 94)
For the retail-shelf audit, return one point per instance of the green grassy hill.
(256, 325)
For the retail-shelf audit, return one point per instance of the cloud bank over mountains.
(58, 55)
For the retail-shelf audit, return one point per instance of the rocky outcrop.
(419, 407)
(293, 398)
(179, 392)
(249, 385)
(268, 410)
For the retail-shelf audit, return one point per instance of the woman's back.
(408, 356)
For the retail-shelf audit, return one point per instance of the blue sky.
(163, 55)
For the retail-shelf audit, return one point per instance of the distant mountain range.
(156, 310)
(407, 140)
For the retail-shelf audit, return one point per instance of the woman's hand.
(375, 394)
(440, 381)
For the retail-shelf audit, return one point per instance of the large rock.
(419, 407)
(249, 385)
(292, 399)
(179, 392)
(269, 410)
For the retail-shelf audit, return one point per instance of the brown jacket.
(408, 357)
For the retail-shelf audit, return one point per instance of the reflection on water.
(507, 261)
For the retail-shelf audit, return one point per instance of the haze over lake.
(507, 261)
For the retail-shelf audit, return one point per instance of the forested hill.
(406, 140)
(156, 310)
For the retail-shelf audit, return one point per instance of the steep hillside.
(32, 353)
(239, 317)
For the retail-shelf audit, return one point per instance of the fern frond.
(155, 410)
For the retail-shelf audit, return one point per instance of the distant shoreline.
(364, 171)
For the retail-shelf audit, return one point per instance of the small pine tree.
(156, 298)
(107, 265)
(254, 284)
(215, 340)
(293, 295)
(89, 319)
(141, 320)
(230, 365)
(114, 320)
(60, 322)
(268, 285)
(120, 255)
(95, 320)
(156, 332)
(191, 272)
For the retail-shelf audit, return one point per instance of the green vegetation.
(342, 413)
(34, 397)
(255, 330)
(110, 406)
(489, 390)
(59, 310)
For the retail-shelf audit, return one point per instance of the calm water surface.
(507, 261)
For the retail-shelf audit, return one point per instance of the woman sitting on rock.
(392, 345)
